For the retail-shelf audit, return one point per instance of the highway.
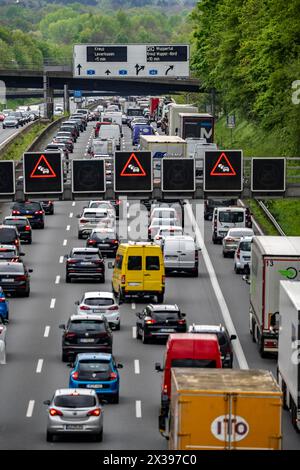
(34, 368)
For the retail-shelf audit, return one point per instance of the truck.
(224, 409)
(185, 350)
(162, 145)
(196, 148)
(195, 125)
(288, 349)
(173, 116)
(273, 259)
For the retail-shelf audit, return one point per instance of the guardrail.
(271, 218)
(9, 141)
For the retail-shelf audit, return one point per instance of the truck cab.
(185, 350)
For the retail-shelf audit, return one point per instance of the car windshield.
(80, 326)
(193, 363)
(94, 366)
(12, 268)
(231, 217)
(27, 206)
(75, 401)
(245, 246)
(98, 301)
(7, 235)
(84, 254)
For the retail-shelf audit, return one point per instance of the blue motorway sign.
(153, 72)
(77, 94)
(90, 72)
(123, 72)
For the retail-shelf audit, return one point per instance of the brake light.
(2, 300)
(96, 412)
(181, 322)
(115, 242)
(196, 255)
(27, 228)
(70, 335)
(75, 375)
(16, 212)
(230, 239)
(71, 261)
(163, 279)
(92, 242)
(123, 279)
(113, 375)
(83, 221)
(55, 412)
(39, 212)
(20, 278)
(150, 322)
(238, 253)
(114, 307)
(165, 391)
(83, 307)
(17, 242)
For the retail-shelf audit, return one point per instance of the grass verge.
(20, 144)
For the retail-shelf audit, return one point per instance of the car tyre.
(160, 298)
(145, 340)
(102, 279)
(138, 335)
(64, 357)
(116, 398)
(118, 327)
(29, 241)
(99, 437)
(237, 270)
(49, 437)
(26, 293)
(68, 279)
(195, 272)
(79, 236)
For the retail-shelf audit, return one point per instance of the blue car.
(4, 311)
(99, 372)
(141, 129)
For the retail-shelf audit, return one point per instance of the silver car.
(242, 256)
(103, 303)
(91, 219)
(73, 412)
(231, 240)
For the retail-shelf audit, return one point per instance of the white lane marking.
(243, 364)
(61, 259)
(65, 242)
(138, 408)
(71, 215)
(137, 366)
(52, 303)
(253, 220)
(134, 332)
(57, 280)
(30, 408)
(133, 306)
(47, 331)
(68, 228)
(73, 204)
(39, 366)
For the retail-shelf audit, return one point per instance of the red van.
(186, 350)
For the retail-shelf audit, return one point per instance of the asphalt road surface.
(34, 368)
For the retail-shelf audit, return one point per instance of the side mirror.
(119, 366)
(77, 302)
(111, 265)
(121, 302)
(22, 254)
(183, 315)
(66, 256)
(47, 402)
(78, 216)
(232, 337)
(30, 270)
(70, 364)
(62, 327)
(158, 367)
(246, 278)
(138, 314)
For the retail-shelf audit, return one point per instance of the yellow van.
(139, 271)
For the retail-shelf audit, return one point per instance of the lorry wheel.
(294, 415)
(261, 347)
(253, 332)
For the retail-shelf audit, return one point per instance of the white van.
(111, 132)
(163, 213)
(114, 116)
(180, 254)
(225, 218)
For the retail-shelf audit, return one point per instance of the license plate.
(104, 246)
(171, 257)
(166, 330)
(87, 340)
(97, 310)
(94, 386)
(7, 280)
(246, 258)
(74, 427)
(86, 264)
(29, 216)
(133, 284)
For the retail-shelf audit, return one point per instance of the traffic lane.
(8, 132)
(236, 293)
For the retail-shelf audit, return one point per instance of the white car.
(231, 240)
(242, 256)
(163, 213)
(91, 219)
(167, 231)
(100, 204)
(157, 223)
(103, 303)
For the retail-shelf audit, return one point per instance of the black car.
(158, 321)
(210, 204)
(22, 225)
(104, 239)
(32, 210)
(48, 207)
(15, 278)
(85, 333)
(85, 263)
(9, 235)
(224, 340)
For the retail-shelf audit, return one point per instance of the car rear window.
(84, 254)
(5, 253)
(95, 366)
(245, 246)
(98, 301)
(231, 217)
(15, 223)
(165, 315)
(12, 268)
(27, 206)
(208, 363)
(75, 401)
(152, 263)
(103, 235)
(79, 326)
(134, 263)
(7, 235)
(95, 215)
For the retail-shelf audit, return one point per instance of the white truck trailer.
(173, 116)
(163, 145)
(288, 348)
(273, 259)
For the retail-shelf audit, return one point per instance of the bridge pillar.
(66, 99)
(48, 97)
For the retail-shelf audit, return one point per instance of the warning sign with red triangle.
(223, 167)
(43, 169)
(133, 167)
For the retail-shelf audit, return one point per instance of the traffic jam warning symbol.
(43, 173)
(223, 171)
(133, 172)
(43, 169)
(133, 167)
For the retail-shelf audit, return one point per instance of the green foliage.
(248, 50)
